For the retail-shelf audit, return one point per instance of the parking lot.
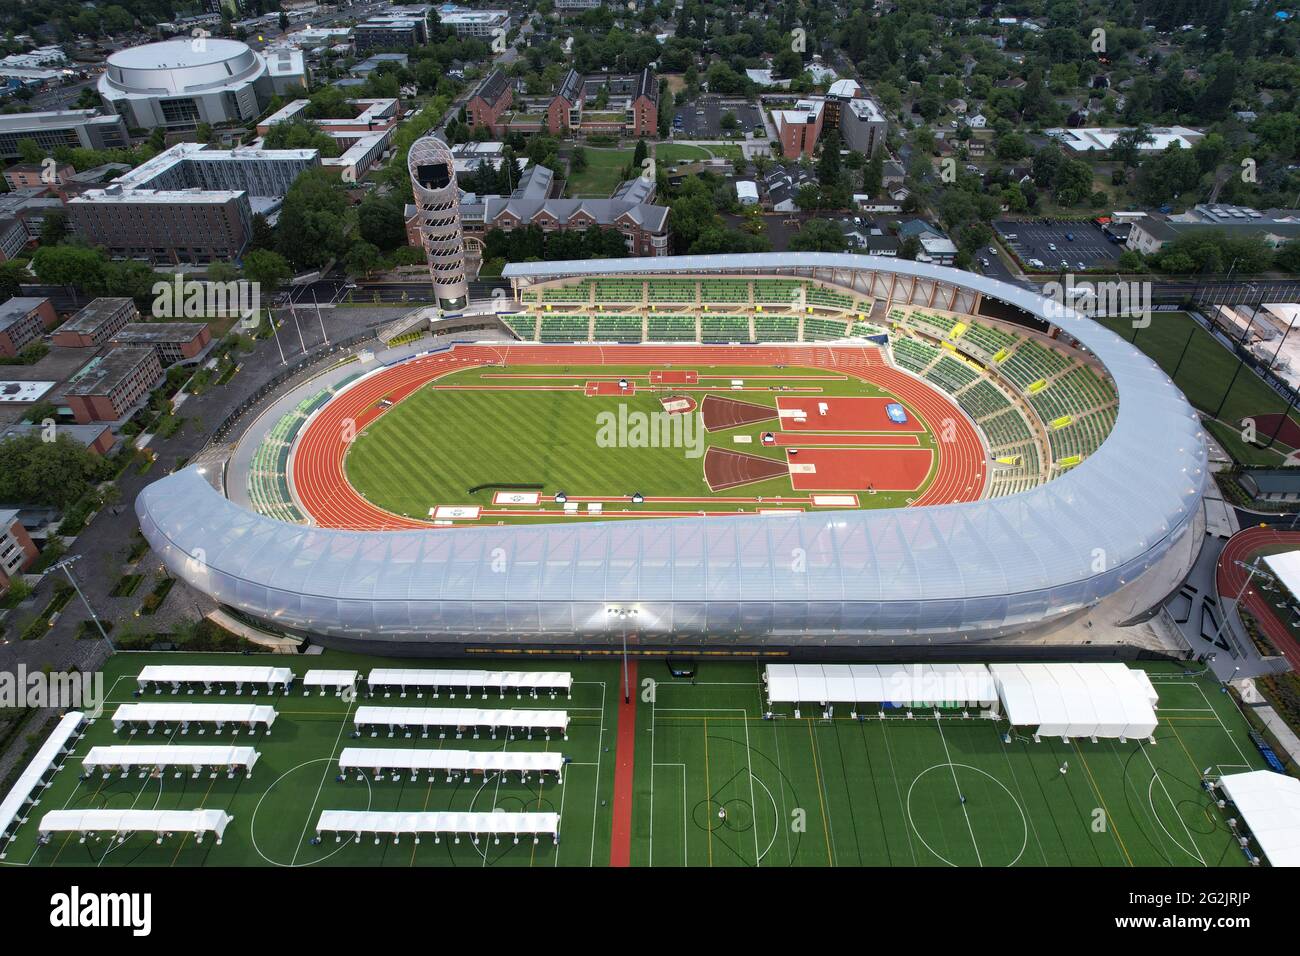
(1081, 245)
(703, 119)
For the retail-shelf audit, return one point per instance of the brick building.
(96, 323)
(23, 320)
(17, 550)
(110, 386)
(490, 99)
(172, 341)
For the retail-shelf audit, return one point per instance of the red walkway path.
(620, 844)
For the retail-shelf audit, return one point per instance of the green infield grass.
(434, 446)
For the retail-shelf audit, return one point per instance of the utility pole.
(66, 567)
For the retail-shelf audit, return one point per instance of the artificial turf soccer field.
(806, 791)
(485, 427)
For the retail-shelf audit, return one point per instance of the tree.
(381, 221)
(266, 268)
(362, 259)
(30, 151)
(818, 235)
(314, 225)
(68, 265)
(54, 228)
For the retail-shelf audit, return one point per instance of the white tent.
(494, 824)
(1270, 804)
(379, 759)
(1077, 700)
(468, 680)
(161, 822)
(1287, 568)
(186, 714)
(917, 684)
(178, 674)
(127, 757)
(47, 757)
(329, 680)
(543, 721)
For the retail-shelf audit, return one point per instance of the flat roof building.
(17, 550)
(23, 320)
(96, 323)
(87, 129)
(110, 386)
(172, 341)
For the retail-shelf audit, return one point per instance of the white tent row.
(1270, 804)
(1077, 700)
(379, 759)
(125, 822)
(912, 684)
(59, 742)
(496, 824)
(329, 680)
(469, 680)
(186, 714)
(150, 758)
(542, 721)
(177, 675)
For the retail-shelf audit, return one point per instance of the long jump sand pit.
(858, 469)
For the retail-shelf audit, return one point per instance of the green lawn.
(878, 792)
(604, 172)
(797, 791)
(431, 448)
(275, 811)
(1204, 373)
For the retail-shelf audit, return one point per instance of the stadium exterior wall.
(937, 575)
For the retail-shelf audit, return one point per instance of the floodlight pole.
(66, 567)
(623, 614)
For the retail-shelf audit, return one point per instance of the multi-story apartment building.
(489, 101)
(23, 320)
(96, 323)
(110, 386)
(172, 341)
(71, 128)
(17, 550)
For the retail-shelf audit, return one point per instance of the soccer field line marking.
(1024, 817)
(898, 792)
(1155, 774)
(1114, 826)
(1235, 745)
(960, 796)
(776, 824)
(826, 821)
(333, 755)
(595, 796)
(753, 803)
(1006, 756)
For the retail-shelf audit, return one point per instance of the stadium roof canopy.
(977, 569)
(1270, 804)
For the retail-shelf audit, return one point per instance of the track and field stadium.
(800, 451)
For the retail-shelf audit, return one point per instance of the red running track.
(326, 496)
(1230, 578)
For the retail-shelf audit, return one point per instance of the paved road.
(103, 546)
